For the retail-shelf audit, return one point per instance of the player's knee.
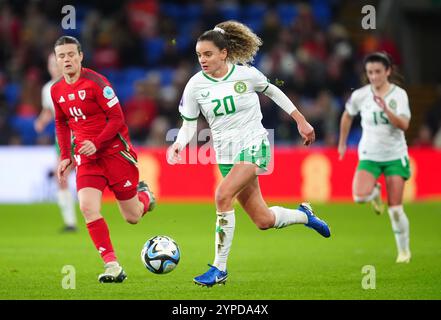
(223, 198)
(89, 211)
(264, 224)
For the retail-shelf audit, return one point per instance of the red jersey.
(89, 108)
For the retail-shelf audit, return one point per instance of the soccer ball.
(160, 254)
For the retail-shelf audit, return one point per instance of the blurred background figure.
(141, 109)
(65, 199)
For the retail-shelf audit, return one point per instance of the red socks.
(144, 198)
(99, 232)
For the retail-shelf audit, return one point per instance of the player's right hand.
(341, 151)
(306, 131)
(173, 151)
(63, 169)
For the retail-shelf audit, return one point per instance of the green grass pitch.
(291, 263)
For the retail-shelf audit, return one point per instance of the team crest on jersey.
(82, 94)
(393, 104)
(108, 92)
(240, 87)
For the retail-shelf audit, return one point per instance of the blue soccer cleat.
(314, 222)
(211, 277)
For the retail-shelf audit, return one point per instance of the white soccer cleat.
(403, 257)
(113, 273)
(377, 203)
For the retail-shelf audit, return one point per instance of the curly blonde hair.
(240, 41)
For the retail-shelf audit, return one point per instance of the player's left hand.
(87, 148)
(380, 102)
(307, 132)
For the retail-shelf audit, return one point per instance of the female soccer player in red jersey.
(89, 120)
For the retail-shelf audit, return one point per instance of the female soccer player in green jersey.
(225, 91)
(385, 115)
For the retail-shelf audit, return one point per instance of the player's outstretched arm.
(305, 129)
(186, 133)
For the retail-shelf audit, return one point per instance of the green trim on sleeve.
(188, 119)
(265, 89)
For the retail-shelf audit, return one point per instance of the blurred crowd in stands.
(146, 50)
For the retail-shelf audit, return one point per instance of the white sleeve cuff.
(280, 98)
(186, 133)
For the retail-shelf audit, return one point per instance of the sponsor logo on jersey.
(108, 92)
(82, 94)
(61, 100)
(205, 95)
(240, 87)
(71, 96)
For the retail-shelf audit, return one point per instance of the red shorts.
(118, 171)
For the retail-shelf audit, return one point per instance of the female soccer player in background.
(225, 93)
(88, 115)
(385, 115)
(65, 200)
